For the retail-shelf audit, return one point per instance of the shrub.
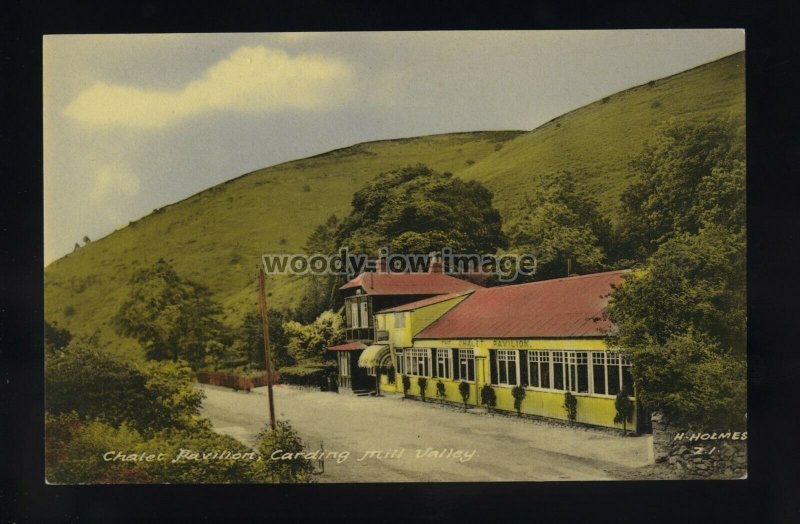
(518, 392)
(406, 385)
(488, 397)
(571, 406)
(307, 373)
(624, 407)
(440, 390)
(422, 382)
(286, 440)
(463, 390)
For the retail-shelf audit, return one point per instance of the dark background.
(770, 494)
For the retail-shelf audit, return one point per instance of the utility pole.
(262, 299)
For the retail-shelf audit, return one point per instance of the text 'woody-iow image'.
(395, 257)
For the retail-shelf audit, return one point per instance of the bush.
(440, 390)
(286, 440)
(518, 392)
(422, 382)
(406, 385)
(463, 390)
(313, 374)
(571, 406)
(624, 407)
(488, 397)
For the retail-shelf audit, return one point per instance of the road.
(408, 441)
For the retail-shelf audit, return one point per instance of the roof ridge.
(559, 279)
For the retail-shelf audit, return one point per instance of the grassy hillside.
(597, 141)
(215, 237)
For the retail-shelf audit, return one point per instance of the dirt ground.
(389, 439)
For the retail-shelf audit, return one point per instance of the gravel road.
(407, 441)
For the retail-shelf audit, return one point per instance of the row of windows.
(357, 312)
(606, 373)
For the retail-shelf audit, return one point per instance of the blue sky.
(134, 122)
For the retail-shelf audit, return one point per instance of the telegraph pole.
(262, 299)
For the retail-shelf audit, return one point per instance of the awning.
(350, 346)
(375, 356)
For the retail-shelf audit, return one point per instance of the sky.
(135, 122)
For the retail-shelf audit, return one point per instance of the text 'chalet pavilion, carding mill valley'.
(549, 337)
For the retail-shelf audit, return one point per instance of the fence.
(234, 381)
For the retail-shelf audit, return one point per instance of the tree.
(560, 224)
(418, 210)
(308, 343)
(674, 169)
(319, 292)
(249, 343)
(172, 317)
(86, 378)
(86, 239)
(55, 338)
(624, 411)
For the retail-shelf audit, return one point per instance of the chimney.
(435, 262)
(382, 265)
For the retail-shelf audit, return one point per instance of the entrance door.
(345, 376)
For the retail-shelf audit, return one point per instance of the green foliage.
(688, 173)
(406, 385)
(463, 390)
(248, 346)
(418, 210)
(148, 396)
(692, 282)
(172, 317)
(571, 406)
(308, 373)
(440, 389)
(624, 410)
(55, 338)
(286, 440)
(692, 381)
(488, 396)
(307, 343)
(518, 392)
(422, 383)
(561, 223)
(319, 293)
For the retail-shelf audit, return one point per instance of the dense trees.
(683, 315)
(560, 224)
(172, 317)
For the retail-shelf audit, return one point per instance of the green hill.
(216, 237)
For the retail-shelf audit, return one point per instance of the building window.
(443, 369)
(539, 369)
(599, 386)
(559, 370)
(344, 363)
(507, 367)
(399, 320)
(466, 364)
(417, 362)
(400, 360)
(578, 371)
(611, 372)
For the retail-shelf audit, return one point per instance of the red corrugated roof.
(350, 346)
(422, 303)
(409, 284)
(564, 307)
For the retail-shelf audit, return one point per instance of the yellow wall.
(592, 409)
(415, 320)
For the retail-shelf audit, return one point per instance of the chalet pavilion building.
(549, 337)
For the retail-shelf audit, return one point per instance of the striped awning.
(374, 356)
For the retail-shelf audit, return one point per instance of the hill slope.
(216, 237)
(597, 141)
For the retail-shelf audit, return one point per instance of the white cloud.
(113, 182)
(257, 79)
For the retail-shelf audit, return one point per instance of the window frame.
(465, 356)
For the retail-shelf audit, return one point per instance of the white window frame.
(505, 358)
(464, 356)
(537, 357)
(443, 357)
(414, 357)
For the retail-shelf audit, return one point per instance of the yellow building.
(547, 337)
